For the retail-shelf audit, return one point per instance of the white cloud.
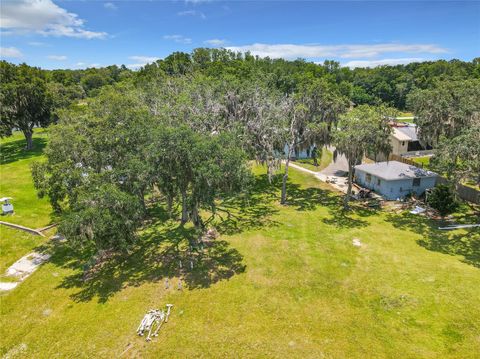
(110, 6)
(141, 61)
(178, 38)
(57, 57)
(37, 44)
(292, 51)
(43, 17)
(216, 42)
(134, 66)
(10, 52)
(192, 13)
(375, 63)
(84, 65)
(144, 59)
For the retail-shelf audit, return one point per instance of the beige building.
(405, 142)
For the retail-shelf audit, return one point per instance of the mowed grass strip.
(324, 160)
(16, 182)
(281, 281)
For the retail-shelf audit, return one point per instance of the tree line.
(47, 91)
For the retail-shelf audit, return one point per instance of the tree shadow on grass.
(159, 254)
(249, 210)
(255, 209)
(308, 199)
(462, 242)
(163, 248)
(15, 150)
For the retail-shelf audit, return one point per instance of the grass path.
(281, 281)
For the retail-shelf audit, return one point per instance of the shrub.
(442, 199)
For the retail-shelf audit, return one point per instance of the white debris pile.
(417, 210)
(356, 242)
(8, 285)
(153, 318)
(22, 268)
(27, 265)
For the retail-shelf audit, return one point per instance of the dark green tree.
(105, 216)
(24, 102)
(362, 131)
(445, 110)
(442, 198)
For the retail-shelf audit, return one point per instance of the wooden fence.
(464, 192)
(406, 160)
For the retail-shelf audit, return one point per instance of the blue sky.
(77, 34)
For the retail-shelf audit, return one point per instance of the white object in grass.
(7, 207)
(8, 285)
(417, 210)
(459, 226)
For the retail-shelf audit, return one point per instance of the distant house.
(300, 153)
(404, 141)
(394, 179)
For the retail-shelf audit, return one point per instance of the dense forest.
(186, 126)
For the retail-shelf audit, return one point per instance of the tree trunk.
(196, 219)
(283, 199)
(349, 189)
(184, 207)
(270, 165)
(169, 205)
(141, 196)
(284, 184)
(29, 137)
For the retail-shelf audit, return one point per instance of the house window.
(403, 143)
(378, 182)
(416, 182)
(369, 177)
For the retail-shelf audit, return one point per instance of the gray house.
(394, 179)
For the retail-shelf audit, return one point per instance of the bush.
(442, 199)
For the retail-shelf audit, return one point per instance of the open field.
(16, 182)
(281, 281)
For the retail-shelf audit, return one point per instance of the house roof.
(394, 170)
(405, 133)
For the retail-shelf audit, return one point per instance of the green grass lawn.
(406, 114)
(16, 182)
(281, 281)
(323, 161)
(14, 244)
(424, 161)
